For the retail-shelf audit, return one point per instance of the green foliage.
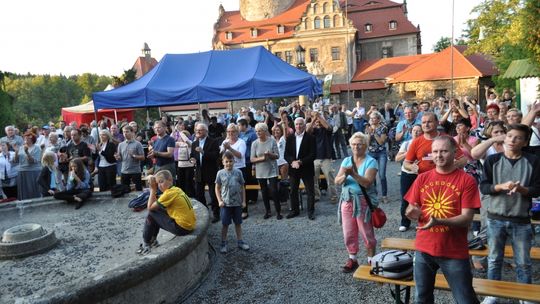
(531, 26)
(506, 30)
(127, 77)
(6, 104)
(442, 44)
(38, 99)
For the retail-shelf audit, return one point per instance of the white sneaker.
(402, 228)
(243, 245)
(490, 300)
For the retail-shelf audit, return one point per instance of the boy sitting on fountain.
(172, 211)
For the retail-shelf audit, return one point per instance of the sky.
(105, 37)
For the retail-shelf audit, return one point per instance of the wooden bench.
(408, 244)
(478, 218)
(484, 287)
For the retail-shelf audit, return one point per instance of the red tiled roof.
(438, 67)
(267, 29)
(482, 62)
(424, 67)
(357, 86)
(364, 5)
(379, 14)
(143, 65)
(380, 69)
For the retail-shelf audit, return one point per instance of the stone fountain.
(88, 255)
(25, 240)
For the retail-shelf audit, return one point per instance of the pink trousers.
(352, 226)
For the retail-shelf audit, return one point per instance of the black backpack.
(119, 190)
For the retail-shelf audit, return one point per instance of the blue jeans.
(456, 271)
(521, 234)
(358, 125)
(381, 158)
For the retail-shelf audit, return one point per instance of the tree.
(127, 77)
(501, 31)
(442, 44)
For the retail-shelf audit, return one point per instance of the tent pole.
(115, 117)
(95, 114)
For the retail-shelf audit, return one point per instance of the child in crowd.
(231, 197)
(79, 185)
(172, 211)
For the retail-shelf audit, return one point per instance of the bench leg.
(396, 294)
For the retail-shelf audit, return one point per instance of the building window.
(307, 22)
(280, 29)
(228, 35)
(326, 22)
(410, 94)
(336, 20)
(392, 25)
(313, 55)
(288, 56)
(387, 52)
(325, 8)
(335, 6)
(317, 23)
(315, 8)
(279, 55)
(253, 32)
(335, 53)
(357, 94)
(440, 93)
(368, 27)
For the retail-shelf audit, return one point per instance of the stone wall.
(427, 90)
(253, 10)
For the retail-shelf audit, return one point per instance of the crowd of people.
(449, 148)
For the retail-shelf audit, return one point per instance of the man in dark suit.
(388, 113)
(300, 154)
(205, 153)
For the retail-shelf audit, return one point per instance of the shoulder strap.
(364, 191)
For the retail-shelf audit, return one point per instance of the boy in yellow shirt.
(172, 211)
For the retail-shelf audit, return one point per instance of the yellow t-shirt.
(178, 206)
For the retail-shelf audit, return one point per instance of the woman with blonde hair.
(50, 178)
(184, 167)
(264, 155)
(357, 171)
(105, 160)
(378, 135)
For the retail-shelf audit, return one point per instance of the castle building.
(321, 36)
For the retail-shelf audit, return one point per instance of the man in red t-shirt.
(443, 201)
(419, 158)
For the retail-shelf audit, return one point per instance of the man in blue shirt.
(163, 149)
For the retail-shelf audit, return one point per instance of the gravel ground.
(299, 261)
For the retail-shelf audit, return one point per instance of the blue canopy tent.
(209, 77)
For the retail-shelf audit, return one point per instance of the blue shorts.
(231, 214)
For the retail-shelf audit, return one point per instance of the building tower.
(254, 10)
(146, 51)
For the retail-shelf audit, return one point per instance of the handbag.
(378, 217)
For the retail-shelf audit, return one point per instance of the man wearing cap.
(43, 138)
